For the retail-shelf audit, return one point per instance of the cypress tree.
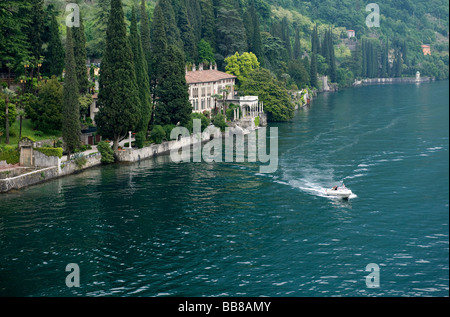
(172, 97)
(187, 35)
(286, 37)
(332, 69)
(384, 61)
(256, 41)
(118, 97)
(249, 27)
(145, 35)
(315, 43)
(374, 61)
(297, 49)
(325, 52)
(53, 63)
(313, 70)
(194, 15)
(398, 62)
(158, 49)
(364, 58)
(71, 107)
(172, 31)
(208, 22)
(36, 28)
(141, 69)
(79, 51)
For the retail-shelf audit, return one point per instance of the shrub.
(158, 134)
(219, 121)
(79, 159)
(11, 156)
(167, 129)
(257, 121)
(106, 151)
(139, 139)
(29, 138)
(50, 151)
(6, 148)
(204, 121)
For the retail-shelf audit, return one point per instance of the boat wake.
(313, 187)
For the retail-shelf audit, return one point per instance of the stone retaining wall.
(70, 167)
(135, 155)
(28, 179)
(47, 173)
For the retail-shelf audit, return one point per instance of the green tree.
(298, 73)
(141, 69)
(241, 65)
(398, 63)
(118, 98)
(194, 15)
(71, 108)
(271, 92)
(170, 26)
(205, 52)
(45, 111)
(187, 35)
(159, 49)
(79, 51)
(36, 28)
(315, 44)
(231, 36)
(385, 61)
(297, 49)
(313, 71)
(7, 111)
(53, 63)
(96, 32)
(208, 22)
(14, 44)
(285, 36)
(255, 42)
(274, 51)
(145, 35)
(172, 98)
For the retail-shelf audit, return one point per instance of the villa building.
(208, 88)
(206, 85)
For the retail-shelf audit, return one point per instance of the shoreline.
(46, 173)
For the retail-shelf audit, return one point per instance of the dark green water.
(160, 228)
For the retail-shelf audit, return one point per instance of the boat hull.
(344, 194)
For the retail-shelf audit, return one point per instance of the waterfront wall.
(51, 167)
(135, 155)
(70, 167)
(22, 177)
(28, 179)
(370, 81)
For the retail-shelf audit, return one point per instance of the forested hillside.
(214, 29)
(279, 32)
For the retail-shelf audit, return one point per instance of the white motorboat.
(340, 192)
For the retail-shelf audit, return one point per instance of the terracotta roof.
(206, 76)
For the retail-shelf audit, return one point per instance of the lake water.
(158, 228)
